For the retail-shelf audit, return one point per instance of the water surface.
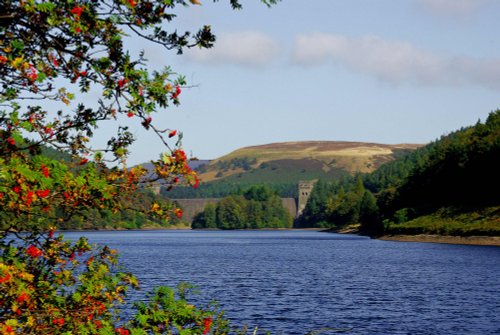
(294, 282)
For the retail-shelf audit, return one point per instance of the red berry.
(77, 11)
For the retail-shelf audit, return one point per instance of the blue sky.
(385, 71)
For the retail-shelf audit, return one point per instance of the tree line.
(255, 208)
(341, 203)
(220, 189)
(455, 174)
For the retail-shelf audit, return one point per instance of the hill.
(282, 165)
(292, 161)
(448, 187)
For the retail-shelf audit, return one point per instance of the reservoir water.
(295, 282)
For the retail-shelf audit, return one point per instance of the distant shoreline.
(428, 238)
(466, 240)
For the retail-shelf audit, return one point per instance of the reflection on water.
(293, 282)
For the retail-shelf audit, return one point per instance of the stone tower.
(155, 188)
(305, 189)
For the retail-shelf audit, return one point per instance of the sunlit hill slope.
(287, 161)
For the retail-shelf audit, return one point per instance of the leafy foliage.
(135, 213)
(55, 286)
(79, 289)
(50, 48)
(55, 58)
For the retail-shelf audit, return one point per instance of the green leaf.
(14, 117)
(17, 44)
(137, 331)
(41, 77)
(27, 125)
(46, 7)
(77, 297)
(10, 93)
(114, 19)
(142, 319)
(18, 138)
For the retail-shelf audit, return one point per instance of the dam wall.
(191, 207)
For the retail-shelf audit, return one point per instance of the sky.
(383, 71)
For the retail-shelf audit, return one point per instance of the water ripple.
(295, 282)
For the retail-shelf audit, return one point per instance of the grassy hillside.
(282, 171)
(452, 221)
(292, 161)
(282, 165)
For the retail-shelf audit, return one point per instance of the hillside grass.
(350, 157)
(447, 221)
(284, 171)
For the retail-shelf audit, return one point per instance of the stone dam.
(191, 207)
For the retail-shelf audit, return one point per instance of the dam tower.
(305, 189)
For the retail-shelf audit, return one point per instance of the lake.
(295, 282)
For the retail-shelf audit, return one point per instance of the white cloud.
(249, 48)
(452, 7)
(395, 62)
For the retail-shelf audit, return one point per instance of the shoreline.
(425, 238)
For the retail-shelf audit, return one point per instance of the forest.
(448, 187)
(220, 189)
(255, 208)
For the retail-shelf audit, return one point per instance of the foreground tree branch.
(57, 53)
